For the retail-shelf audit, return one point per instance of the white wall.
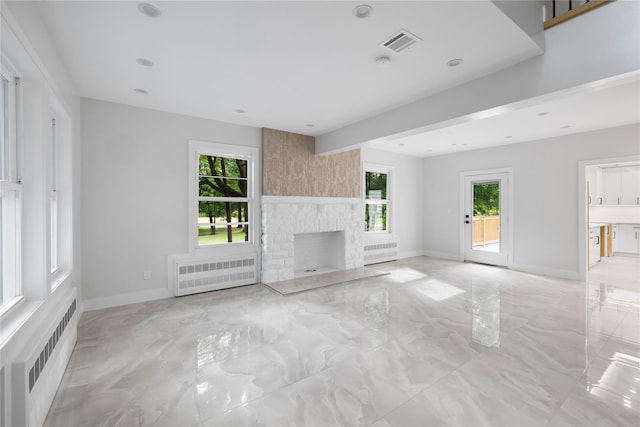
(545, 185)
(406, 198)
(134, 180)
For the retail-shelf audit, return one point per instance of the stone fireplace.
(333, 224)
(312, 211)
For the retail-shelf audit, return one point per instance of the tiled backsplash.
(290, 167)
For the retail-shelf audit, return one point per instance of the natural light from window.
(10, 193)
(223, 203)
(376, 202)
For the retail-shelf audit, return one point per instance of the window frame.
(53, 199)
(388, 202)
(59, 192)
(11, 190)
(251, 155)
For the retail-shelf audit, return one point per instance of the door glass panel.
(486, 217)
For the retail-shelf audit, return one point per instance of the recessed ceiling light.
(544, 113)
(240, 111)
(383, 61)
(464, 144)
(150, 10)
(508, 136)
(145, 62)
(565, 127)
(453, 145)
(142, 91)
(429, 151)
(455, 62)
(362, 11)
(401, 144)
(310, 125)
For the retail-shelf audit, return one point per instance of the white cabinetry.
(621, 185)
(614, 238)
(594, 176)
(611, 181)
(628, 238)
(630, 185)
(594, 245)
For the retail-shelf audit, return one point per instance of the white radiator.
(2, 398)
(380, 252)
(190, 274)
(35, 379)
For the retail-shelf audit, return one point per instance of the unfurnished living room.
(320, 213)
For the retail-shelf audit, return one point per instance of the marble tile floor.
(433, 343)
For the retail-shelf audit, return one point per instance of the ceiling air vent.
(400, 41)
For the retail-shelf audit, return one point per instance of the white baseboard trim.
(545, 271)
(125, 299)
(413, 254)
(443, 255)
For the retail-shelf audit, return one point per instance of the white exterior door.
(486, 218)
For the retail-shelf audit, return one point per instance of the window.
(10, 192)
(223, 208)
(376, 199)
(59, 191)
(53, 197)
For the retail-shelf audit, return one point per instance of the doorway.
(608, 212)
(486, 236)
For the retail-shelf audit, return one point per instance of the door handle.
(598, 240)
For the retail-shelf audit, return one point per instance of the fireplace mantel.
(275, 200)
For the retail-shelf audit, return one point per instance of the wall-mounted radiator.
(36, 376)
(380, 252)
(190, 275)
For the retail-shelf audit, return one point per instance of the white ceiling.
(612, 103)
(292, 64)
(286, 64)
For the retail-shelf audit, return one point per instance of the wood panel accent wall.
(290, 167)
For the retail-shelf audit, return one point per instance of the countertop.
(604, 224)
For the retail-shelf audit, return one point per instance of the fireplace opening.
(317, 253)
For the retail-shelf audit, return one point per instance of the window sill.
(377, 236)
(13, 317)
(58, 278)
(11, 305)
(224, 248)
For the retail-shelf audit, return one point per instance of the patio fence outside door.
(486, 230)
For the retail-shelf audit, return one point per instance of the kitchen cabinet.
(611, 187)
(594, 245)
(620, 185)
(630, 185)
(628, 238)
(594, 176)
